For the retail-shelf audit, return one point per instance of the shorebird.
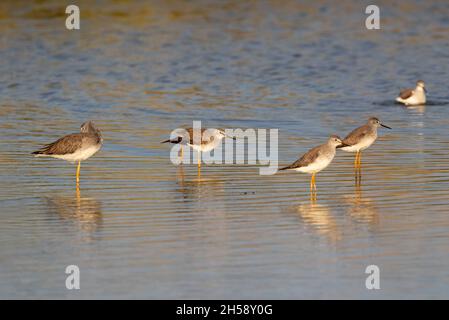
(209, 140)
(362, 138)
(74, 147)
(413, 97)
(317, 159)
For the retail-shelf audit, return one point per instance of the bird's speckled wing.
(66, 145)
(309, 157)
(356, 135)
(184, 139)
(405, 94)
(203, 139)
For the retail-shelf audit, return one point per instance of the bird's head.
(89, 127)
(336, 141)
(375, 122)
(421, 85)
(222, 134)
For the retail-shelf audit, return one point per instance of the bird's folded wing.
(306, 159)
(204, 139)
(355, 136)
(405, 94)
(66, 145)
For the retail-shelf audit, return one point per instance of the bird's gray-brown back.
(70, 144)
(89, 136)
(324, 150)
(359, 134)
(187, 136)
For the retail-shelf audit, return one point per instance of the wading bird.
(317, 159)
(74, 147)
(208, 140)
(362, 138)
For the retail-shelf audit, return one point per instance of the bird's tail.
(44, 151)
(286, 168)
(176, 140)
(39, 153)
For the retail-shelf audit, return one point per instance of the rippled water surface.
(141, 227)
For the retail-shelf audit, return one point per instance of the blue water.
(141, 227)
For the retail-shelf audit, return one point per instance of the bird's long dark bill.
(175, 141)
(342, 145)
(385, 126)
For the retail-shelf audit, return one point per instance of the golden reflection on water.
(324, 222)
(320, 218)
(361, 209)
(85, 213)
(208, 190)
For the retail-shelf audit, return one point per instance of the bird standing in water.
(362, 138)
(317, 159)
(74, 147)
(208, 140)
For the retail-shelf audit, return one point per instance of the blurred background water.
(144, 228)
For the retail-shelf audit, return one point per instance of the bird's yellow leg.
(312, 188)
(356, 160)
(78, 193)
(78, 172)
(360, 158)
(182, 154)
(312, 197)
(199, 164)
(312, 183)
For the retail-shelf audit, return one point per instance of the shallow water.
(141, 227)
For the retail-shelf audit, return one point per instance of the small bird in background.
(206, 142)
(317, 159)
(74, 147)
(413, 97)
(362, 138)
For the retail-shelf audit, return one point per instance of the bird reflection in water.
(85, 212)
(361, 209)
(208, 190)
(419, 109)
(320, 218)
(203, 213)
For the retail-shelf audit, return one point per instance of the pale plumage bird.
(74, 147)
(362, 138)
(208, 140)
(413, 97)
(317, 158)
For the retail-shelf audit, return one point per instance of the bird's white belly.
(79, 155)
(362, 145)
(205, 147)
(319, 164)
(416, 99)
